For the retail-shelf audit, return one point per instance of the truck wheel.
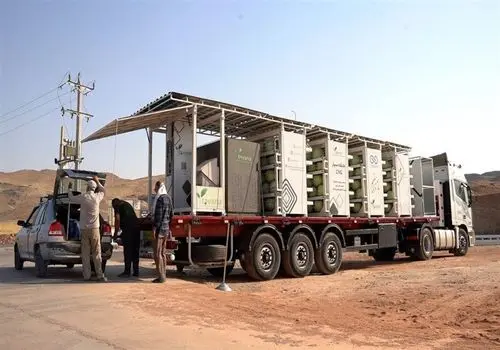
(426, 245)
(328, 256)
(263, 262)
(299, 259)
(41, 266)
(18, 262)
(219, 271)
(384, 254)
(463, 243)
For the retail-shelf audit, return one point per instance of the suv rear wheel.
(41, 265)
(18, 262)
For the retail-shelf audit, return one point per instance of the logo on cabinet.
(289, 197)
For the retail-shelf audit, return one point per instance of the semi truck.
(282, 196)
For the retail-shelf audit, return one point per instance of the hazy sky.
(421, 73)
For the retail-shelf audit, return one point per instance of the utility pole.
(81, 90)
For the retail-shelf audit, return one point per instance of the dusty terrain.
(20, 190)
(445, 303)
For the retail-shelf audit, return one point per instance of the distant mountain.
(20, 190)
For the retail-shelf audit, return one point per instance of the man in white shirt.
(89, 224)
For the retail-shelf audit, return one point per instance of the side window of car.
(40, 219)
(33, 216)
(460, 190)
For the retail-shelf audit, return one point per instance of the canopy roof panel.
(240, 122)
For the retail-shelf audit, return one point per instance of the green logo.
(202, 193)
(242, 157)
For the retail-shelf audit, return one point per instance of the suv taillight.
(56, 229)
(106, 230)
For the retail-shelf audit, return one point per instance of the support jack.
(224, 287)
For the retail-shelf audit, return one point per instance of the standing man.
(89, 224)
(162, 211)
(127, 221)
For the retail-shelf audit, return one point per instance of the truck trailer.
(281, 195)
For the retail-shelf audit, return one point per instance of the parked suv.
(51, 234)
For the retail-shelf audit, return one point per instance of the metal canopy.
(240, 122)
(147, 120)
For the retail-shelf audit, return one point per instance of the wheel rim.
(301, 255)
(427, 244)
(331, 254)
(266, 257)
(463, 242)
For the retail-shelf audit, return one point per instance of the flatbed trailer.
(341, 192)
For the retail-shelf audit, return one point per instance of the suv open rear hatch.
(79, 179)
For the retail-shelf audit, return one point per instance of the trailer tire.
(219, 271)
(425, 247)
(299, 259)
(208, 253)
(384, 254)
(264, 260)
(328, 256)
(463, 242)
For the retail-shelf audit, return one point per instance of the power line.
(37, 106)
(30, 102)
(29, 121)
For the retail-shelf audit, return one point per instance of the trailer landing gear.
(384, 254)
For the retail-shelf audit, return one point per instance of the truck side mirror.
(469, 195)
(21, 223)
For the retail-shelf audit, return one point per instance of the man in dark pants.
(126, 220)
(162, 211)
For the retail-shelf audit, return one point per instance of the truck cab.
(453, 196)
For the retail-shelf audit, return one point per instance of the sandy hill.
(20, 190)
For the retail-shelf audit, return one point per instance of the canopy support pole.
(150, 167)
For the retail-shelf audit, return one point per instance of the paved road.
(63, 312)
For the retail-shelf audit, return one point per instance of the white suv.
(51, 235)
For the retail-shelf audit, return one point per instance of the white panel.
(293, 186)
(403, 189)
(182, 159)
(374, 182)
(338, 183)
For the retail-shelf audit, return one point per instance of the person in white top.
(89, 225)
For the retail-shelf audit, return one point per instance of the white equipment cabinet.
(328, 178)
(397, 187)
(368, 183)
(283, 169)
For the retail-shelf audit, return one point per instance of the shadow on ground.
(64, 275)
(239, 276)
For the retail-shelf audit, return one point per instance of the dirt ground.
(448, 302)
(445, 303)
